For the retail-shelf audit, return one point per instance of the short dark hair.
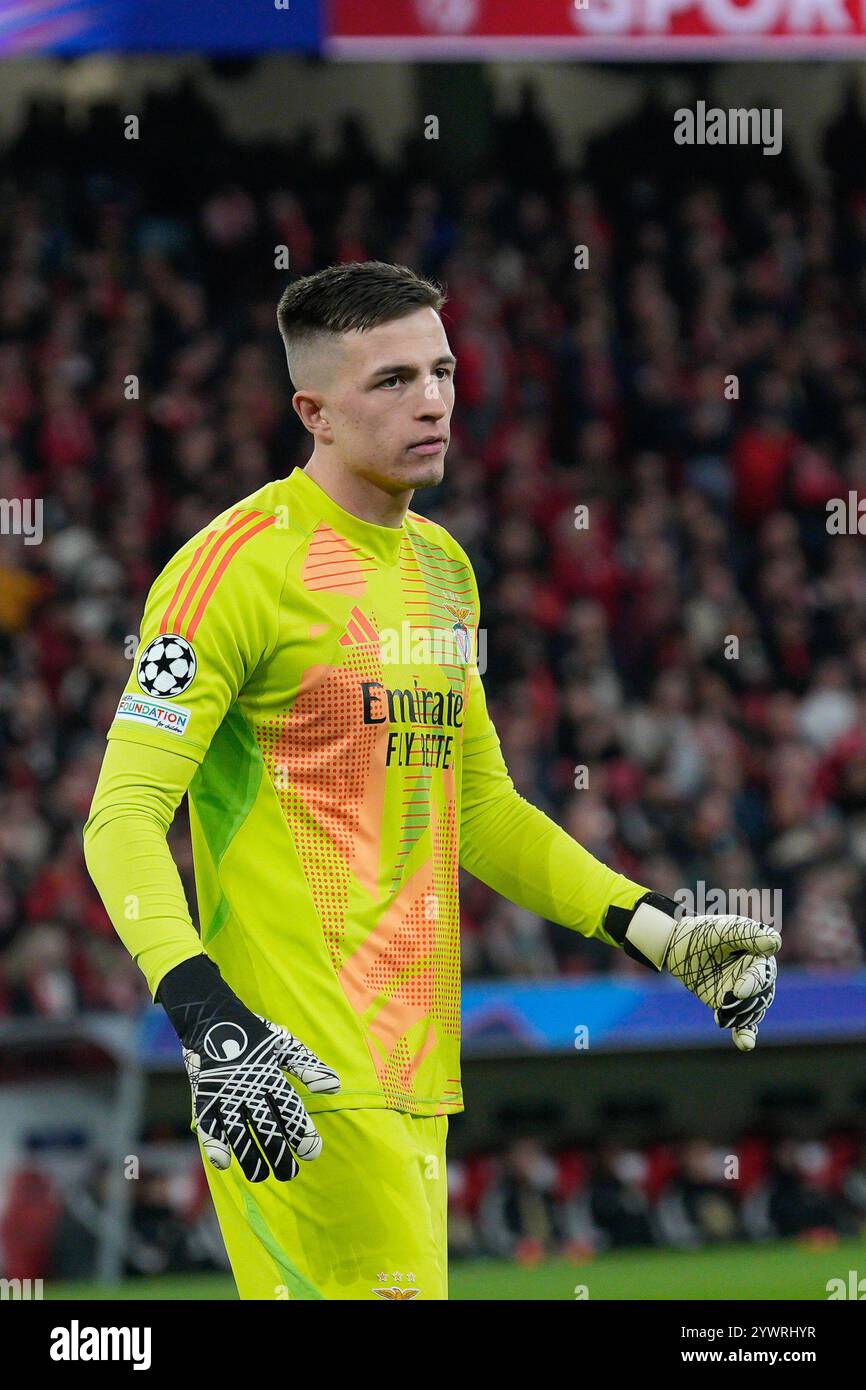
(358, 295)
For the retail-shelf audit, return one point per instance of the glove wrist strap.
(195, 996)
(645, 930)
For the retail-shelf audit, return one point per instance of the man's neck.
(359, 496)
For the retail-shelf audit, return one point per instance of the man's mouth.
(432, 444)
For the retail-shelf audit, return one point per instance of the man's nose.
(431, 400)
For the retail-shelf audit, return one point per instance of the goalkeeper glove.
(728, 962)
(242, 1102)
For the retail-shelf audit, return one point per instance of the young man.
(307, 675)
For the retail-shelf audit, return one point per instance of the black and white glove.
(728, 962)
(235, 1059)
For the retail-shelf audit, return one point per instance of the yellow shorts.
(367, 1219)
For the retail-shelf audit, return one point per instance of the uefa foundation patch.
(159, 714)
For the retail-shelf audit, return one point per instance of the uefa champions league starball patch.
(166, 667)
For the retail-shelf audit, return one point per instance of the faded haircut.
(343, 298)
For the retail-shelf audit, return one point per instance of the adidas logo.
(359, 630)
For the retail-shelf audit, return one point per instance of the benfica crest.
(399, 1289)
(460, 611)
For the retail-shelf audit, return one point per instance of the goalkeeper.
(338, 776)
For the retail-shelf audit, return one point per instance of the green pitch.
(778, 1271)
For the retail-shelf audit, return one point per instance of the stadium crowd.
(699, 645)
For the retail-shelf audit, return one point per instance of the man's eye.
(442, 373)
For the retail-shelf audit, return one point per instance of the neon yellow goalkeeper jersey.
(321, 671)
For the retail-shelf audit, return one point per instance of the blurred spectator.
(521, 1216)
(797, 1201)
(619, 1205)
(28, 1224)
(700, 1205)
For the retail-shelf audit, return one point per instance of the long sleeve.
(199, 642)
(136, 797)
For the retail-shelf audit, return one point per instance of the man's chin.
(420, 473)
(406, 474)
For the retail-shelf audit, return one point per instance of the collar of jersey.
(382, 542)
